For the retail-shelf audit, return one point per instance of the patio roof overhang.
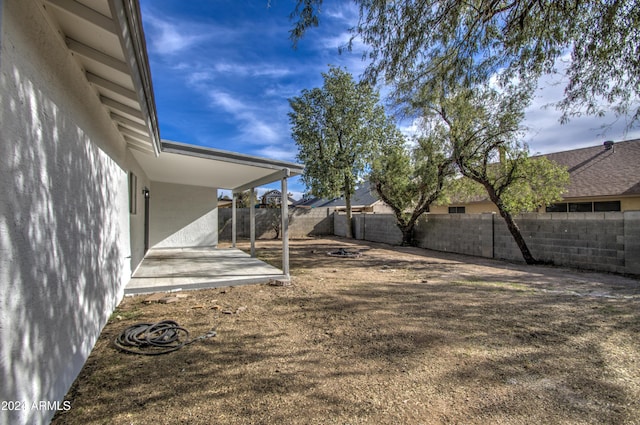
(181, 163)
(107, 41)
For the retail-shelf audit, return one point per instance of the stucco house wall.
(136, 219)
(481, 207)
(182, 216)
(65, 228)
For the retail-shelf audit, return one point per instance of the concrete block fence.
(592, 241)
(302, 222)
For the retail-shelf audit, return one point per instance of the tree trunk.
(347, 201)
(513, 228)
(407, 234)
(517, 236)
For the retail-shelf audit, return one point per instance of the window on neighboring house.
(584, 206)
(606, 206)
(561, 207)
(456, 210)
(133, 193)
(580, 207)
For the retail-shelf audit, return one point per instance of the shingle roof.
(311, 203)
(596, 171)
(364, 196)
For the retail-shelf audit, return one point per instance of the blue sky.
(223, 70)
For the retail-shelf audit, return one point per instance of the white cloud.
(168, 38)
(199, 77)
(227, 102)
(283, 152)
(545, 134)
(346, 12)
(253, 129)
(270, 71)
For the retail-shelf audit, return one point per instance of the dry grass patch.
(395, 336)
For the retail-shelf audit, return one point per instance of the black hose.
(155, 338)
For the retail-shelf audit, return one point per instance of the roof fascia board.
(278, 175)
(126, 15)
(233, 157)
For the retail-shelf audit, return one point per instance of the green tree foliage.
(528, 192)
(414, 44)
(409, 180)
(445, 59)
(482, 128)
(337, 127)
(244, 199)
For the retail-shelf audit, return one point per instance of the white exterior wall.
(136, 220)
(183, 216)
(65, 253)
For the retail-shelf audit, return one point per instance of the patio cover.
(106, 39)
(186, 164)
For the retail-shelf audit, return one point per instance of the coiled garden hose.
(152, 339)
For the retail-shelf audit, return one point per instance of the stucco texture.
(64, 219)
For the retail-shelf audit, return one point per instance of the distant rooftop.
(364, 196)
(602, 170)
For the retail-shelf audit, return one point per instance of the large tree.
(337, 127)
(410, 178)
(482, 128)
(415, 44)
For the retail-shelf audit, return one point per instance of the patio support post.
(252, 215)
(234, 219)
(284, 213)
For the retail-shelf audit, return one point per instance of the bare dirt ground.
(396, 336)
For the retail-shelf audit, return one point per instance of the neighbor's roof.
(107, 41)
(596, 171)
(364, 196)
(311, 202)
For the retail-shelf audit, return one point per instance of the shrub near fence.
(593, 241)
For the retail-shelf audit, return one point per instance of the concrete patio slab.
(173, 269)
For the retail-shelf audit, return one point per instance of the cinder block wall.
(340, 225)
(302, 222)
(377, 228)
(470, 234)
(632, 241)
(592, 241)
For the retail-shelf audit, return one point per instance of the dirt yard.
(396, 336)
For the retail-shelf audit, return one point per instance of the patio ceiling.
(200, 166)
(107, 41)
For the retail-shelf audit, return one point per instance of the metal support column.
(284, 212)
(252, 215)
(234, 219)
